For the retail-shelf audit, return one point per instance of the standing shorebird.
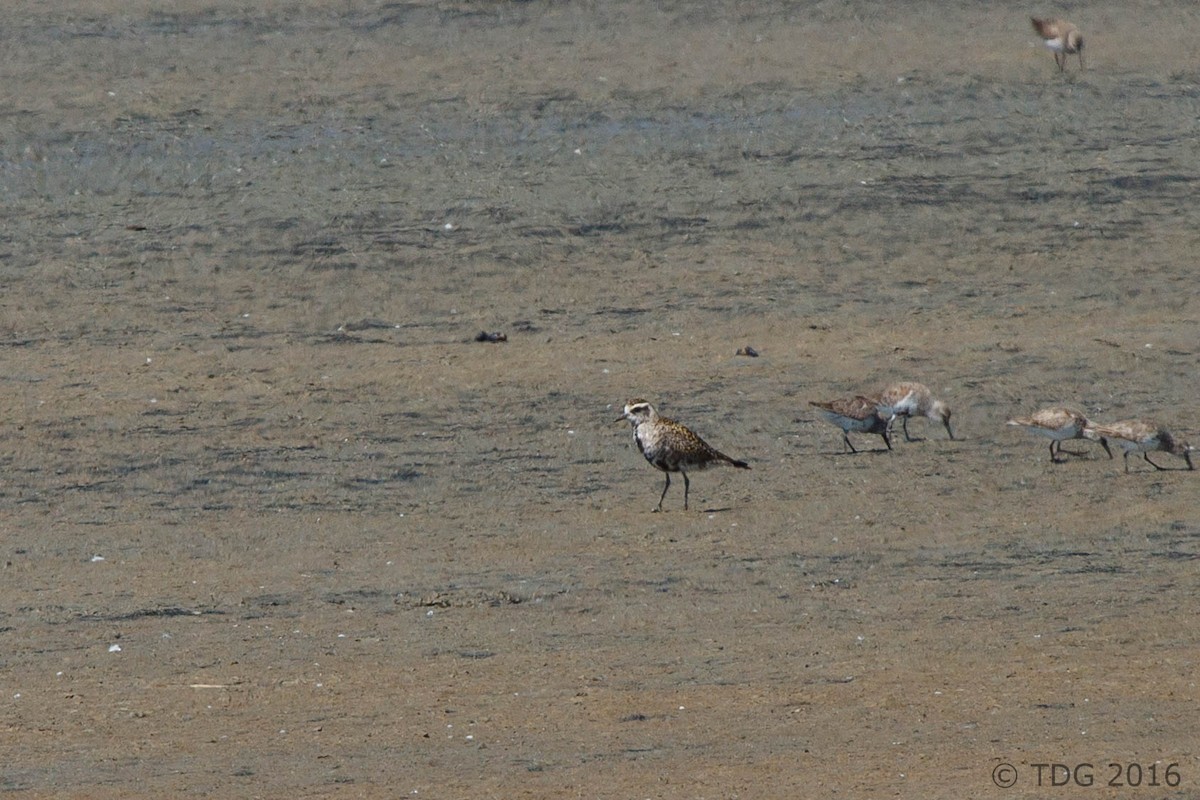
(1145, 437)
(671, 447)
(1060, 424)
(859, 414)
(911, 399)
(1061, 37)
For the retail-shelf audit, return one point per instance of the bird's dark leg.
(846, 439)
(1151, 463)
(907, 438)
(887, 439)
(1056, 451)
(664, 494)
(686, 486)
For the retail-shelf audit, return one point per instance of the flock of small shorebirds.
(672, 447)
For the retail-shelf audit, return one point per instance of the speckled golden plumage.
(671, 447)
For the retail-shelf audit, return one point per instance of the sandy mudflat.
(346, 551)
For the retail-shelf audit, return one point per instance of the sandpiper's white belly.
(907, 406)
(1147, 445)
(1068, 431)
(847, 423)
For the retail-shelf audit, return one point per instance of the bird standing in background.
(1061, 37)
(911, 399)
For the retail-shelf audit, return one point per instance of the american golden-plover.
(911, 399)
(859, 414)
(1061, 37)
(1059, 423)
(1145, 437)
(671, 446)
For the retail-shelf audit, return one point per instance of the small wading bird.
(671, 447)
(1142, 436)
(1060, 423)
(911, 399)
(859, 414)
(1061, 37)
